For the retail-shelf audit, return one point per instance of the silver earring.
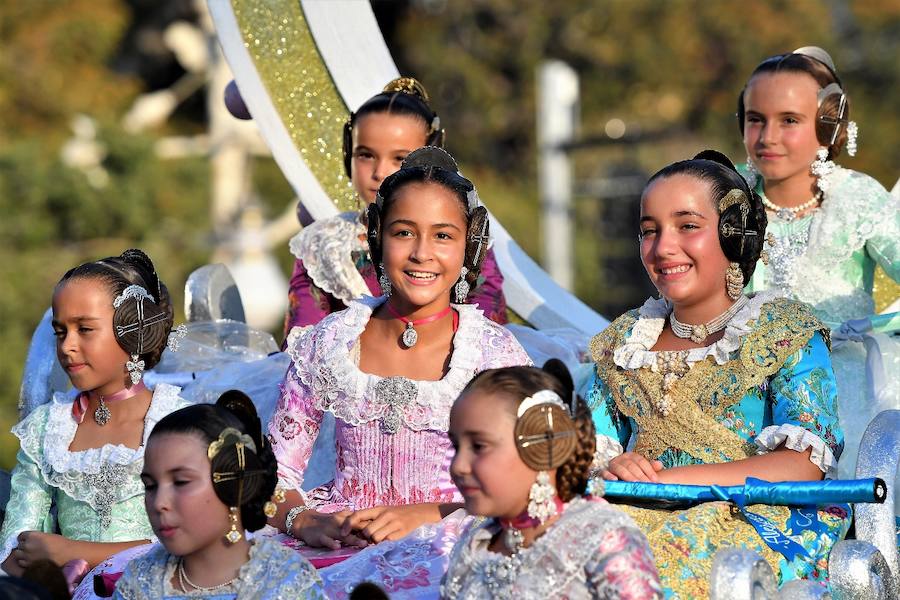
(821, 168)
(462, 286)
(852, 135)
(384, 282)
(734, 281)
(540, 499)
(135, 369)
(752, 174)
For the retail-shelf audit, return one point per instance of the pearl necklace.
(184, 581)
(698, 333)
(789, 213)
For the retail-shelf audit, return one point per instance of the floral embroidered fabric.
(98, 492)
(593, 551)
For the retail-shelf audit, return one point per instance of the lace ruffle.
(635, 353)
(797, 438)
(326, 248)
(322, 362)
(607, 449)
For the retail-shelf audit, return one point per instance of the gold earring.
(734, 281)
(233, 536)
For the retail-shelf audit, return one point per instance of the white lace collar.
(61, 428)
(339, 386)
(325, 247)
(635, 353)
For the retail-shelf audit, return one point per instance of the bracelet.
(289, 520)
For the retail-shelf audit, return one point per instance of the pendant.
(102, 414)
(785, 215)
(410, 336)
(513, 539)
(699, 333)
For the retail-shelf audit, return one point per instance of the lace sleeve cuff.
(8, 545)
(607, 449)
(799, 439)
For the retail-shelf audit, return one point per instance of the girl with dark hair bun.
(334, 263)
(84, 451)
(828, 226)
(210, 477)
(524, 449)
(388, 369)
(709, 386)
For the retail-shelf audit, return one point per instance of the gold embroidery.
(707, 390)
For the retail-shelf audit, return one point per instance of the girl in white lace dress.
(524, 447)
(84, 451)
(828, 226)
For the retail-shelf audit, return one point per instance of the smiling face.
(780, 124)
(86, 345)
(423, 244)
(680, 241)
(186, 514)
(380, 143)
(487, 468)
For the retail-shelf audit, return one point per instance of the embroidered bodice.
(274, 571)
(768, 381)
(390, 432)
(98, 492)
(592, 551)
(828, 257)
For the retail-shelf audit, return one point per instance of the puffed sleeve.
(295, 423)
(307, 304)
(488, 293)
(803, 399)
(28, 508)
(500, 348)
(884, 244)
(623, 567)
(612, 427)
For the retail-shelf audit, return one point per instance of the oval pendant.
(102, 415)
(410, 336)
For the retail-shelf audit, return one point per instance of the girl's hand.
(324, 530)
(36, 545)
(631, 466)
(390, 522)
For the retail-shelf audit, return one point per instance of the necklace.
(184, 581)
(698, 333)
(410, 335)
(102, 414)
(789, 213)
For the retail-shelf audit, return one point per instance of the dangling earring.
(462, 286)
(540, 499)
(233, 536)
(821, 169)
(852, 134)
(135, 369)
(384, 282)
(752, 174)
(734, 281)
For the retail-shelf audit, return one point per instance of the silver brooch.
(396, 393)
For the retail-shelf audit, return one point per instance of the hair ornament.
(541, 397)
(231, 436)
(819, 54)
(133, 291)
(407, 85)
(736, 197)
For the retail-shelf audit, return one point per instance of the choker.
(512, 534)
(789, 213)
(102, 414)
(410, 335)
(698, 333)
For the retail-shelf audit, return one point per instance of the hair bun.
(716, 157)
(545, 437)
(407, 85)
(241, 406)
(144, 266)
(430, 156)
(558, 369)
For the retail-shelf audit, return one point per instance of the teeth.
(418, 275)
(680, 269)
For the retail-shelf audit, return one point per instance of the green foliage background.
(672, 65)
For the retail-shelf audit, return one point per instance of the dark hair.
(402, 96)
(233, 409)
(519, 383)
(715, 169)
(133, 267)
(432, 165)
(828, 114)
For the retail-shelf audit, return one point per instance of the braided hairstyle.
(433, 165)
(402, 96)
(131, 268)
(720, 173)
(260, 474)
(832, 112)
(572, 455)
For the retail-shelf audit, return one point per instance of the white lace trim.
(797, 438)
(635, 353)
(48, 445)
(322, 362)
(607, 449)
(325, 247)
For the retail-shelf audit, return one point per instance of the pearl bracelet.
(289, 520)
